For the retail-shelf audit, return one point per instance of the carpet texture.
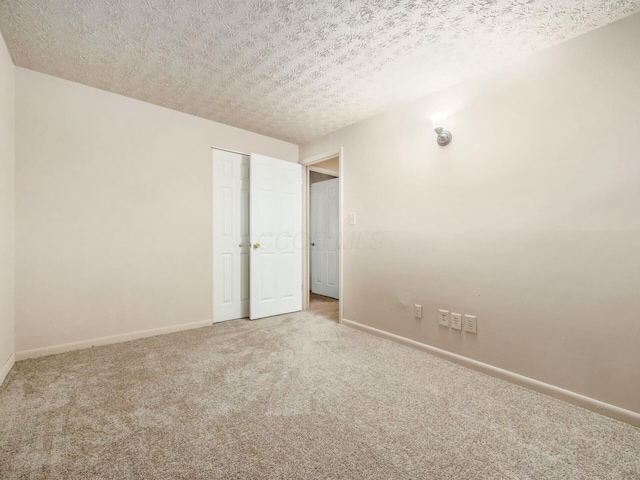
(295, 396)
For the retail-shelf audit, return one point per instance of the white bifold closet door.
(257, 236)
(324, 225)
(276, 237)
(231, 172)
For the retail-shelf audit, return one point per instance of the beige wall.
(315, 177)
(529, 219)
(113, 211)
(331, 164)
(6, 204)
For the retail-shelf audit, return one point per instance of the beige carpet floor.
(296, 396)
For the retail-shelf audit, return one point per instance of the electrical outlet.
(471, 323)
(417, 311)
(443, 318)
(456, 321)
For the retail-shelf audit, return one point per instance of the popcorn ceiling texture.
(294, 70)
(295, 396)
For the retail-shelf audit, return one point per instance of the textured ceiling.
(293, 70)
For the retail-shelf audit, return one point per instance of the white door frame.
(308, 164)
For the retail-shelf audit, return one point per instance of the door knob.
(313, 244)
(241, 245)
(256, 245)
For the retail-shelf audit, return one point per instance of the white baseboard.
(7, 367)
(592, 404)
(124, 337)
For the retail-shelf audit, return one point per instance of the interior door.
(230, 235)
(276, 237)
(323, 229)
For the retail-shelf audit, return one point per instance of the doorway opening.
(322, 281)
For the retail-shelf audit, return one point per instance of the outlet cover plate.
(417, 311)
(470, 323)
(456, 321)
(443, 318)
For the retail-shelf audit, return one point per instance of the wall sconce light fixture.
(444, 136)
